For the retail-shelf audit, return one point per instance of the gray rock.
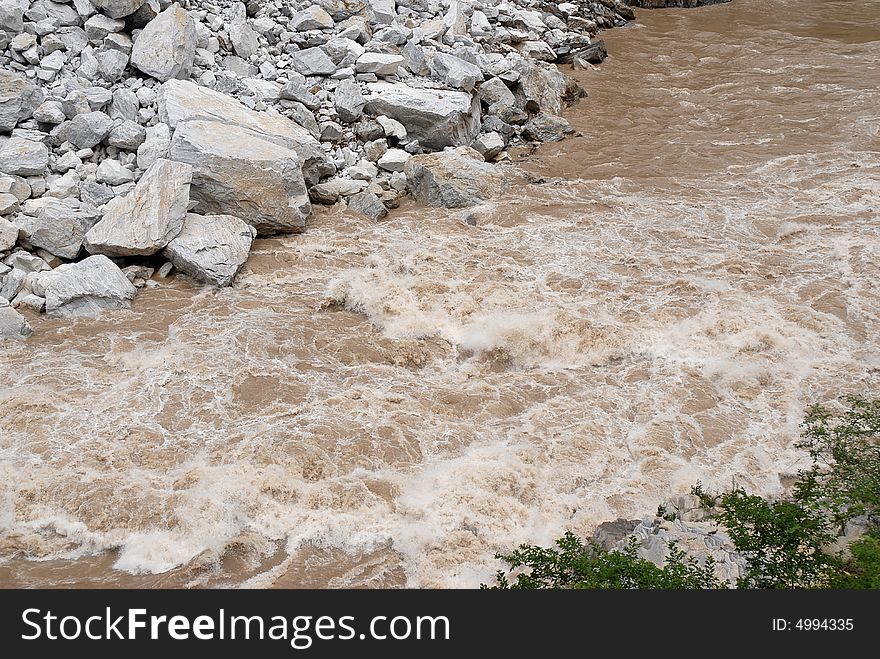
(382, 64)
(128, 135)
(546, 128)
(85, 288)
(15, 185)
(391, 127)
(99, 26)
(343, 9)
(244, 39)
(541, 87)
(11, 283)
(49, 112)
(13, 325)
(489, 145)
(8, 205)
(89, 129)
(18, 99)
(349, 101)
(456, 72)
(368, 204)
(383, 11)
(454, 178)
(311, 18)
(331, 191)
(118, 8)
(166, 47)
(312, 61)
(393, 160)
(124, 105)
(156, 145)
(295, 91)
(496, 95)
(145, 221)
(375, 149)
(96, 194)
(436, 118)
(111, 64)
(12, 15)
(8, 235)
(59, 226)
(179, 101)
(112, 172)
(211, 248)
(22, 157)
(27, 262)
(609, 534)
(235, 172)
(30, 301)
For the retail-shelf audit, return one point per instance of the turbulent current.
(655, 302)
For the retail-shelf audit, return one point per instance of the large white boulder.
(211, 248)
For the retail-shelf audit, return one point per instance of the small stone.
(128, 135)
(393, 160)
(368, 204)
(112, 172)
(89, 129)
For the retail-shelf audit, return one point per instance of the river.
(389, 404)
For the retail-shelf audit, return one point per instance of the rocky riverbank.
(140, 136)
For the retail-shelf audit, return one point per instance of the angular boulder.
(118, 8)
(456, 72)
(166, 47)
(211, 248)
(22, 157)
(18, 99)
(436, 118)
(349, 101)
(144, 221)
(235, 172)
(182, 101)
(13, 325)
(454, 178)
(58, 226)
(85, 288)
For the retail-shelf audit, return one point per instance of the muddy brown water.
(388, 404)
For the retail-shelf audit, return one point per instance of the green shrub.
(863, 569)
(573, 564)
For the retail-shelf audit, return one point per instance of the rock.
(88, 129)
(59, 226)
(383, 11)
(166, 47)
(244, 39)
(375, 149)
(30, 301)
(165, 269)
(343, 9)
(13, 325)
(112, 172)
(363, 171)
(436, 118)
(22, 157)
(144, 221)
(538, 50)
(99, 26)
(595, 53)
(12, 15)
(496, 95)
(157, 143)
(331, 191)
(15, 185)
(118, 8)
(541, 87)
(546, 128)
(11, 283)
(295, 91)
(311, 18)
(111, 64)
(368, 204)
(393, 160)
(391, 127)
(609, 534)
(180, 101)
(456, 72)
(28, 262)
(312, 61)
(349, 101)
(8, 235)
(331, 132)
(128, 135)
(49, 112)
(8, 206)
(235, 172)
(454, 178)
(86, 287)
(489, 145)
(381, 64)
(211, 248)
(18, 99)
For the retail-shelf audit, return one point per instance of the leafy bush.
(572, 564)
(784, 542)
(781, 541)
